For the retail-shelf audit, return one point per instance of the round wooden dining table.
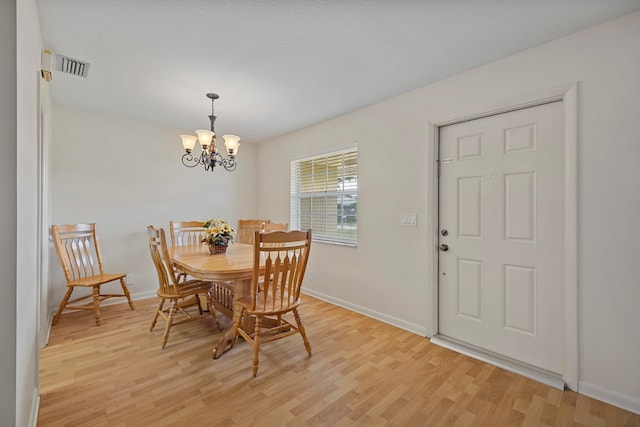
(236, 263)
(235, 266)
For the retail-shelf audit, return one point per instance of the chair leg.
(63, 304)
(158, 311)
(172, 310)
(199, 304)
(125, 289)
(96, 304)
(256, 345)
(307, 346)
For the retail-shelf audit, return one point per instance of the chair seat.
(96, 280)
(186, 288)
(247, 302)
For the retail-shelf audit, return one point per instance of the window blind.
(324, 196)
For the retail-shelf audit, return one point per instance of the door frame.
(568, 94)
(43, 211)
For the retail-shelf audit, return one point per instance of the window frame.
(348, 238)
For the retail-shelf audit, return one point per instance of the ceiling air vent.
(71, 66)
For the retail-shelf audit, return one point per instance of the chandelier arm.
(189, 161)
(229, 164)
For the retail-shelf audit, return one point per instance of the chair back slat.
(185, 233)
(247, 229)
(268, 227)
(285, 256)
(159, 251)
(78, 250)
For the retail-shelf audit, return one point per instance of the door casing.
(568, 94)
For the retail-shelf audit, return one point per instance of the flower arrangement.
(218, 232)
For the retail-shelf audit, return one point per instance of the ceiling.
(281, 65)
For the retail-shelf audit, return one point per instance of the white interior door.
(500, 217)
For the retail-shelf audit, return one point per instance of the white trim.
(568, 94)
(382, 317)
(34, 409)
(43, 213)
(45, 339)
(628, 403)
(141, 295)
(134, 297)
(570, 238)
(432, 230)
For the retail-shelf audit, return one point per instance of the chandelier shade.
(204, 137)
(231, 143)
(210, 157)
(188, 142)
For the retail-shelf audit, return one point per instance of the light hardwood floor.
(362, 373)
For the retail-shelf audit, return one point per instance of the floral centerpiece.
(217, 234)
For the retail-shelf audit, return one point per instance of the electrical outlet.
(130, 279)
(309, 275)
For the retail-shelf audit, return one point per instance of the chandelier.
(210, 157)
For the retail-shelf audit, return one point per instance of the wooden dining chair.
(247, 229)
(186, 232)
(285, 256)
(268, 227)
(79, 254)
(189, 233)
(172, 290)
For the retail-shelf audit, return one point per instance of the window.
(324, 196)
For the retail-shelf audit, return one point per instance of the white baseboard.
(48, 332)
(134, 297)
(394, 321)
(35, 407)
(628, 403)
(144, 295)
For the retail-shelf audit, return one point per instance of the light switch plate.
(408, 220)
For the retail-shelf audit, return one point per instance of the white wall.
(125, 175)
(386, 277)
(19, 88)
(8, 141)
(29, 42)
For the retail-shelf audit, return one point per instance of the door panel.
(500, 190)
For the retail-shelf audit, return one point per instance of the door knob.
(444, 247)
